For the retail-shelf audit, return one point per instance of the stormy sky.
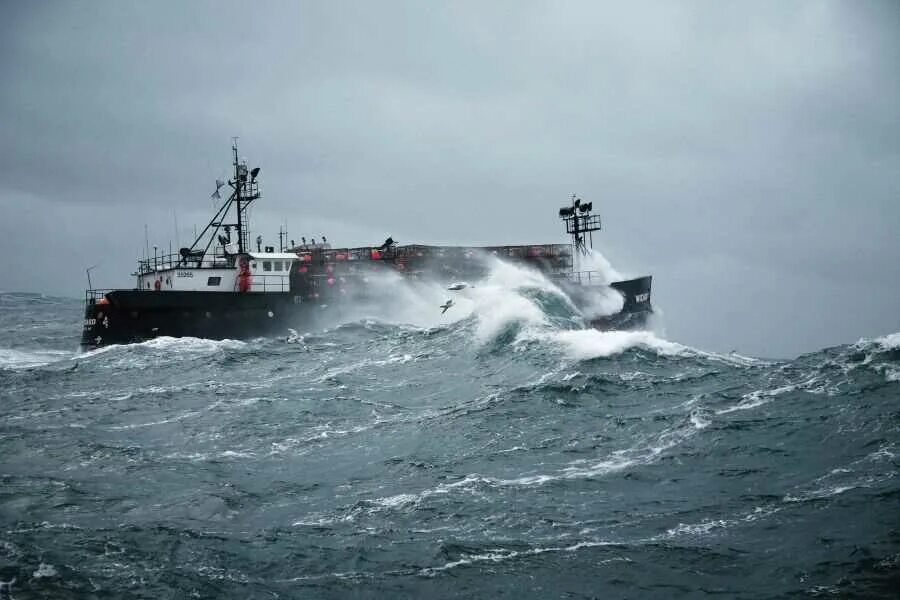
(747, 154)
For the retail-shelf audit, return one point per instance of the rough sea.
(498, 451)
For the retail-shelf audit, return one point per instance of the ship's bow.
(96, 308)
(636, 307)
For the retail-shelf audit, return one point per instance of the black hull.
(128, 316)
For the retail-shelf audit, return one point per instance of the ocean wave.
(160, 351)
(587, 344)
(190, 345)
(15, 359)
(707, 527)
(496, 555)
(887, 342)
(476, 484)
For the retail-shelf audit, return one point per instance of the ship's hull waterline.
(129, 316)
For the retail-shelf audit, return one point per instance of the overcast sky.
(747, 154)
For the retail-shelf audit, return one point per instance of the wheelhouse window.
(214, 281)
(277, 265)
(267, 265)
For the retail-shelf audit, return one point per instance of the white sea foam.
(819, 494)
(397, 501)
(841, 480)
(601, 302)
(887, 342)
(173, 419)
(501, 554)
(9, 549)
(697, 529)
(45, 570)
(494, 302)
(699, 420)
(597, 263)
(618, 461)
(505, 297)
(349, 576)
(345, 369)
(499, 300)
(883, 453)
(873, 348)
(750, 401)
(708, 526)
(759, 398)
(11, 358)
(584, 344)
(513, 449)
(396, 359)
(192, 345)
(394, 298)
(236, 454)
(316, 434)
(149, 353)
(497, 309)
(645, 452)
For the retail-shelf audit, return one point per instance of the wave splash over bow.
(512, 305)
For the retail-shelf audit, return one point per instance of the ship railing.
(521, 251)
(582, 224)
(414, 251)
(584, 277)
(92, 296)
(532, 251)
(165, 262)
(561, 252)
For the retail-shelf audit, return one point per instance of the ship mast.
(580, 224)
(246, 190)
(237, 197)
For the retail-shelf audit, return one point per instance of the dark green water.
(503, 454)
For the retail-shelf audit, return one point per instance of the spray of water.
(595, 262)
(493, 302)
(394, 298)
(510, 296)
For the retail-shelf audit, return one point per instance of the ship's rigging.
(245, 189)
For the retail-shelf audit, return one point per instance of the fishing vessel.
(224, 286)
